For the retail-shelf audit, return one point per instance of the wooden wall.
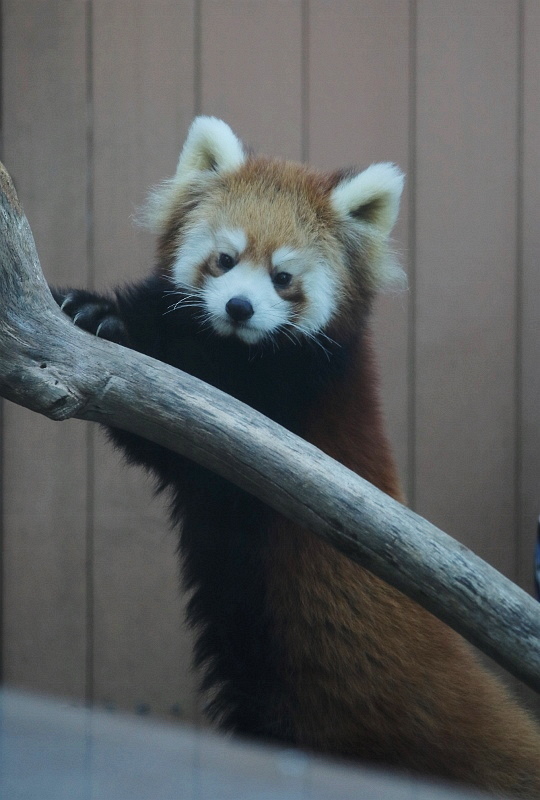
(97, 96)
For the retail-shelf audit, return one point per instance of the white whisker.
(189, 297)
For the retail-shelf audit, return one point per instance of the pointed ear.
(211, 146)
(370, 198)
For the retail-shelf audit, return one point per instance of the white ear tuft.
(211, 146)
(371, 197)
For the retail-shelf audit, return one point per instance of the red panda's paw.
(92, 313)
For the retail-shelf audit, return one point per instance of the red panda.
(263, 283)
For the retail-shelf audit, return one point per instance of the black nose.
(239, 309)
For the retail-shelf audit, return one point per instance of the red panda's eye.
(225, 261)
(282, 279)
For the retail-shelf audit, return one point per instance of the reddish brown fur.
(275, 202)
(375, 676)
(369, 674)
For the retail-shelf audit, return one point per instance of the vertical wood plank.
(530, 296)
(251, 61)
(358, 104)
(143, 74)
(250, 71)
(467, 96)
(143, 77)
(45, 119)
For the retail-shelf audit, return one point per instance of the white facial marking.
(317, 284)
(197, 246)
(231, 241)
(287, 257)
(320, 293)
(254, 284)
(199, 243)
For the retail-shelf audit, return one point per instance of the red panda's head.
(264, 246)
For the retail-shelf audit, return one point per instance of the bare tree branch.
(50, 366)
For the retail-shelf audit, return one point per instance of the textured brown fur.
(363, 672)
(297, 212)
(374, 675)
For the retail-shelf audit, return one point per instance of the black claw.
(112, 329)
(92, 313)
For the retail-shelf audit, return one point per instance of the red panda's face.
(289, 289)
(256, 254)
(267, 248)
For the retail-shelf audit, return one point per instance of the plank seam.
(411, 182)
(304, 79)
(90, 265)
(519, 332)
(2, 422)
(197, 57)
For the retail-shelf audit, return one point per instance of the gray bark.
(50, 366)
